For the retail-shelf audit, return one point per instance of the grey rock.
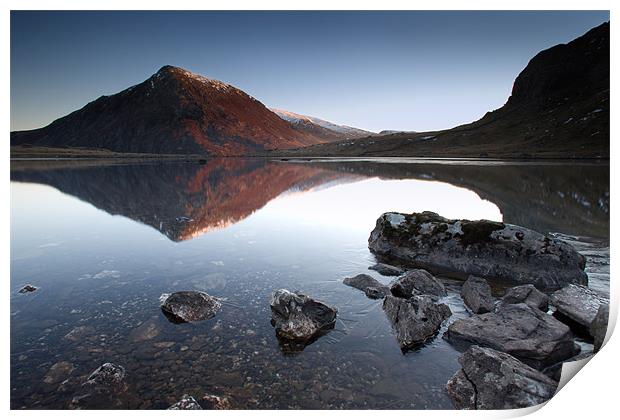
(577, 303)
(416, 282)
(598, 328)
(476, 294)
(187, 402)
(29, 288)
(492, 250)
(494, 380)
(369, 285)
(527, 294)
(386, 269)
(190, 306)
(299, 317)
(106, 378)
(415, 320)
(58, 372)
(530, 335)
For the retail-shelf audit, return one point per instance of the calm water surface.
(103, 242)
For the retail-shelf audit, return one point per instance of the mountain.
(172, 112)
(321, 128)
(558, 108)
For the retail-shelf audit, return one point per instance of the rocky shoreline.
(513, 344)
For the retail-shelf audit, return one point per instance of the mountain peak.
(181, 73)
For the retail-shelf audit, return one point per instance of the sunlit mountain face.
(185, 200)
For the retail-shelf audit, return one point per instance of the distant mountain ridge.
(174, 112)
(558, 108)
(318, 125)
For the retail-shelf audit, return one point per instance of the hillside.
(172, 112)
(559, 108)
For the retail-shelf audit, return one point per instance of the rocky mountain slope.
(559, 107)
(172, 112)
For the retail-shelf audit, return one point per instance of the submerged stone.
(386, 269)
(530, 335)
(481, 248)
(58, 372)
(298, 317)
(415, 320)
(190, 306)
(372, 287)
(215, 402)
(494, 380)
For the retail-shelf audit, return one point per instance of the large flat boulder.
(298, 317)
(577, 303)
(530, 335)
(415, 320)
(476, 294)
(494, 380)
(416, 282)
(495, 251)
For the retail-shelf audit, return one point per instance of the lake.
(102, 241)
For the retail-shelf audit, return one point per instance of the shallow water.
(103, 242)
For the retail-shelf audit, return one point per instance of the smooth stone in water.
(493, 250)
(190, 306)
(494, 380)
(368, 284)
(527, 294)
(417, 282)
(577, 303)
(299, 317)
(476, 294)
(415, 320)
(386, 269)
(530, 335)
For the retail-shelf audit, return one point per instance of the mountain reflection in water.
(184, 200)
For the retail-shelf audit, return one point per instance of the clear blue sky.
(373, 70)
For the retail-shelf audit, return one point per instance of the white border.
(591, 395)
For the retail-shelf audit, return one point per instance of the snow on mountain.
(346, 131)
